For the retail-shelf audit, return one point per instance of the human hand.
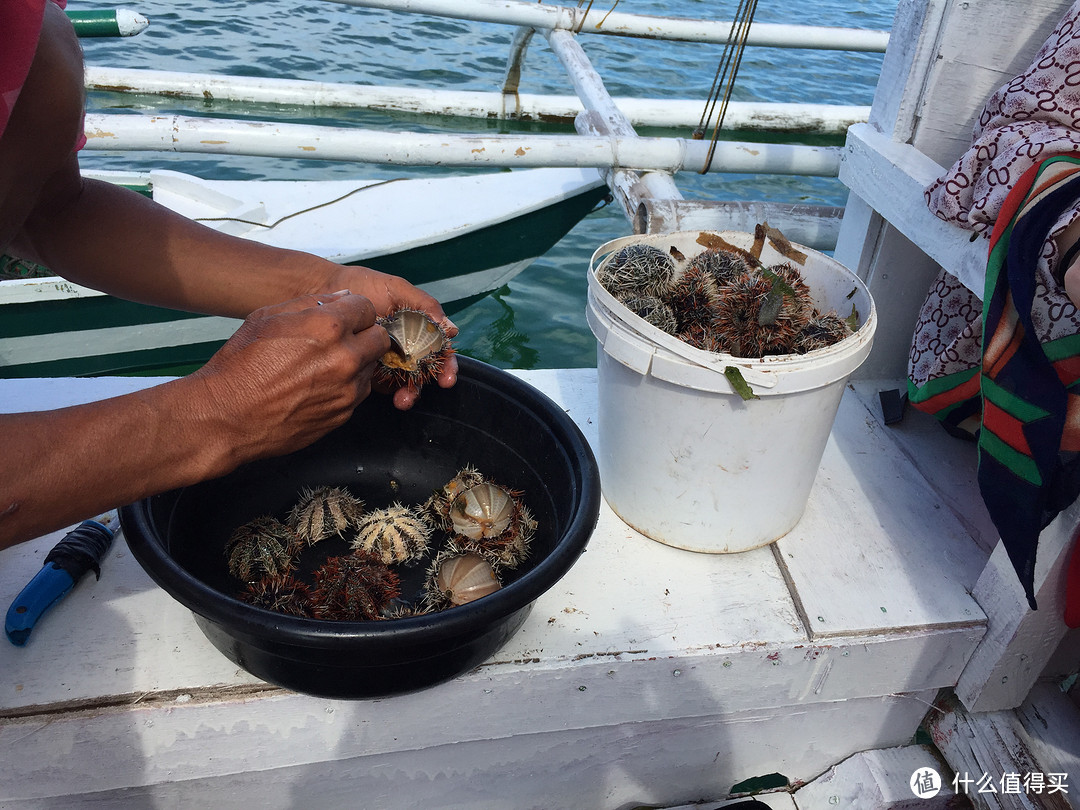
(291, 373)
(389, 293)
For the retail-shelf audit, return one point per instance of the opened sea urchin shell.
(419, 352)
(457, 579)
(482, 511)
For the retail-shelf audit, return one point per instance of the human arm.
(117, 241)
(291, 373)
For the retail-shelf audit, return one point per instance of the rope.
(277, 222)
(724, 80)
(588, 8)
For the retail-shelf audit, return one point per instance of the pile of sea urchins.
(724, 299)
(469, 534)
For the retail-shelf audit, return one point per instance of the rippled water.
(538, 320)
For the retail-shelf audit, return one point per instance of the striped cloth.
(1027, 390)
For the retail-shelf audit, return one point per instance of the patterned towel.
(1027, 389)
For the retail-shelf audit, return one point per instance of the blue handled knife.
(81, 550)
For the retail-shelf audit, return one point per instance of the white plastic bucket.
(683, 459)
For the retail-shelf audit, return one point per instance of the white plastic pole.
(596, 20)
(675, 113)
(177, 133)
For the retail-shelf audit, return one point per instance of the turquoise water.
(538, 320)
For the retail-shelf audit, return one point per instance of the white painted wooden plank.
(778, 800)
(879, 780)
(588, 621)
(980, 46)
(671, 604)
(711, 646)
(898, 274)
(890, 177)
(1019, 641)
(114, 339)
(885, 567)
(907, 59)
(949, 464)
(30, 290)
(1040, 738)
(1051, 720)
(292, 751)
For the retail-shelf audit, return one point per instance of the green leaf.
(739, 383)
(852, 320)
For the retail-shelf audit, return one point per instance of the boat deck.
(647, 675)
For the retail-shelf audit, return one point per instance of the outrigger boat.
(811, 673)
(457, 237)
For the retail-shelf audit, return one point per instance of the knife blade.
(81, 550)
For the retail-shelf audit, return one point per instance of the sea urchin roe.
(420, 350)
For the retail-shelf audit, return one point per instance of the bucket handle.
(714, 361)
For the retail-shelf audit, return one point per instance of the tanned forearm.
(85, 234)
(66, 464)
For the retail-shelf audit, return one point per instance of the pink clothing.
(20, 27)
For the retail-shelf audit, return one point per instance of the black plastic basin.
(504, 427)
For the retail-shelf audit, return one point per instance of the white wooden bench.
(948, 58)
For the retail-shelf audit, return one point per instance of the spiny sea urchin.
(283, 593)
(457, 578)
(420, 350)
(823, 330)
(353, 587)
(493, 522)
(694, 298)
(636, 270)
(324, 512)
(438, 505)
(262, 547)
(396, 534)
(723, 265)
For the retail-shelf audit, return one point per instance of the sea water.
(538, 319)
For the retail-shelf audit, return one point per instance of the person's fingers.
(448, 375)
(404, 399)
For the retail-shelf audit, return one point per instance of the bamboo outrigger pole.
(600, 21)
(177, 133)
(832, 119)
